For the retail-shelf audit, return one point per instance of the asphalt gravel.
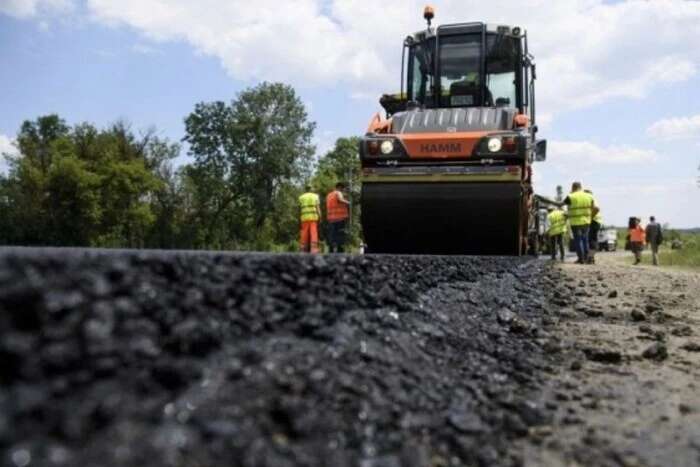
(207, 359)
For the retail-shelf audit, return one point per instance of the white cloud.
(619, 187)
(7, 145)
(589, 163)
(6, 148)
(589, 51)
(29, 8)
(671, 200)
(570, 152)
(267, 39)
(675, 128)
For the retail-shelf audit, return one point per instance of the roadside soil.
(626, 392)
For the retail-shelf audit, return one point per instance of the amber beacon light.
(428, 14)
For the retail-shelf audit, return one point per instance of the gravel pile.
(199, 359)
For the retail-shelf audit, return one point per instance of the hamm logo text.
(441, 147)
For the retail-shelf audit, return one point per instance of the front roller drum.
(442, 218)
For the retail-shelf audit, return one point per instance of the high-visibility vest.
(335, 210)
(557, 223)
(637, 234)
(598, 217)
(308, 203)
(580, 208)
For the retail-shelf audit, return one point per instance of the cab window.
(501, 62)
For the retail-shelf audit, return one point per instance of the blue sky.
(618, 94)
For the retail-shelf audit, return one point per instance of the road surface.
(187, 359)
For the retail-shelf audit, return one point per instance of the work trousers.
(593, 236)
(654, 252)
(554, 241)
(337, 235)
(637, 248)
(581, 241)
(308, 236)
(593, 240)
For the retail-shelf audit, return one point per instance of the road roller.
(447, 168)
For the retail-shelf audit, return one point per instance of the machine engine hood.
(453, 120)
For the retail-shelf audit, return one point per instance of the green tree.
(84, 186)
(72, 201)
(35, 139)
(248, 153)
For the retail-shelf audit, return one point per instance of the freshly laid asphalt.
(208, 359)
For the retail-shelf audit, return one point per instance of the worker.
(654, 238)
(557, 228)
(337, 215)
(310, 214)
(637, 237)
(596, 223)
(581, 210)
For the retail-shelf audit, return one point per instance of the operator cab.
(465, 65)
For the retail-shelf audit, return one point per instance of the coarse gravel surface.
(122, 358)
(205, 359)
(628, 392)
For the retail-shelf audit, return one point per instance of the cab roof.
(466, 28)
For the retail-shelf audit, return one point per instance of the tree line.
(114, 187)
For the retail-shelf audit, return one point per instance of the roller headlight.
(494, 144)
(387, 147)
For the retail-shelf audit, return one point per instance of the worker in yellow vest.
(581, 209)
(596, 224)
(557, 228)
(310, 215)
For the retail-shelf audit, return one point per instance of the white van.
(607, 239)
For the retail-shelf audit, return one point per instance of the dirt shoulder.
(628, 392)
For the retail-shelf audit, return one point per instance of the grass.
(687, 257)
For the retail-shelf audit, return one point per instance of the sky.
(618, 90)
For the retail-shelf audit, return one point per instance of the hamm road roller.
(449, 169)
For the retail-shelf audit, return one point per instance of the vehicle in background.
(607, 239)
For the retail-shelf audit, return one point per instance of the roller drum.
(442, 218)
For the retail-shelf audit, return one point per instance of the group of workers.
(337, 215)
(583, 216)
(652, 235)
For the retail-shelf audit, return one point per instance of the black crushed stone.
(202, 359)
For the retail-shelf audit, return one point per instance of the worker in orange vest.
(637, 238)
(310, 215)
(337, 215)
